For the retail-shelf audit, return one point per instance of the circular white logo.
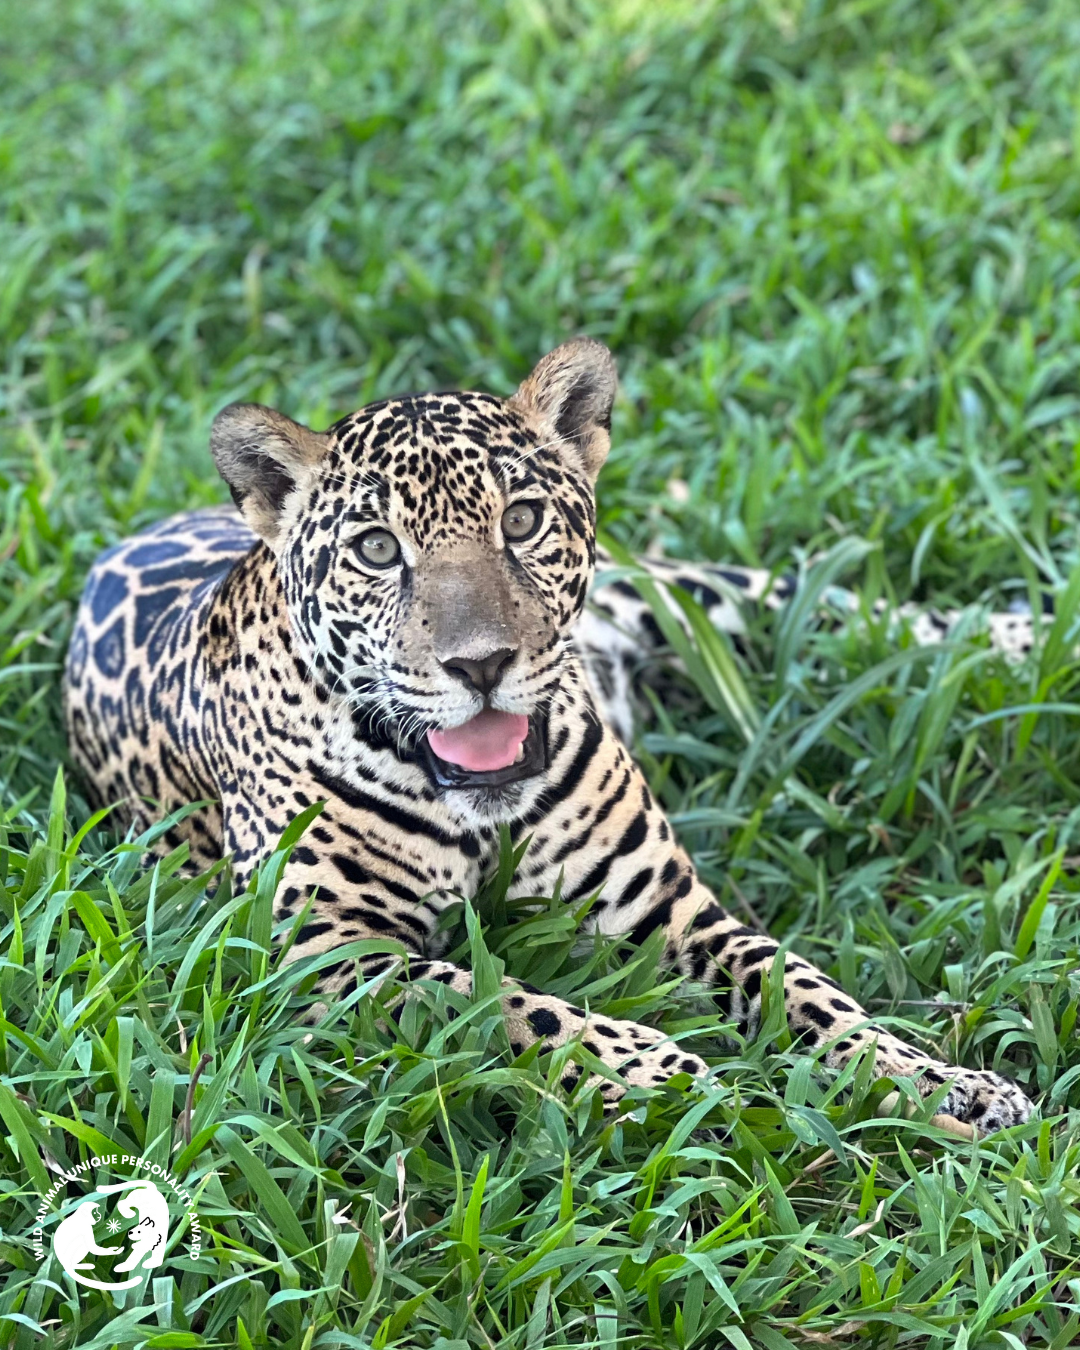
(126, 1221)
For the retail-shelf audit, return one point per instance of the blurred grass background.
(834, 246)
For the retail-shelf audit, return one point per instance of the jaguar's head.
(434, 552)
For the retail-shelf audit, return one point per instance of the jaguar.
(393, 620)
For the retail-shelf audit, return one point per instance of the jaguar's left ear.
(571, 391)
(263, 455)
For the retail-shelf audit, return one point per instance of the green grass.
(834, 245)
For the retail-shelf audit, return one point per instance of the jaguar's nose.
(483, 673)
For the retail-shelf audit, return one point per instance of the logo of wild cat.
(125, 1221)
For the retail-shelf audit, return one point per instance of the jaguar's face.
(435, 551)
(433, 571)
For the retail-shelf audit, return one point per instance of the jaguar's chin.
(531, 759)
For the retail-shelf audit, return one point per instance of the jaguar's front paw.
(978, 1097)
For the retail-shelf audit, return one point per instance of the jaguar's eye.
(521, 521)
(378, 548)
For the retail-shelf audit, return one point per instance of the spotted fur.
(253, 658)
(617, 633)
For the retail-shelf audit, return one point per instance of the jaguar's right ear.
(263, 455)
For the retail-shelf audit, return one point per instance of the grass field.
(834, 245)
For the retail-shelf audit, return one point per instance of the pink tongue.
(489, 741)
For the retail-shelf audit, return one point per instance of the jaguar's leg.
(355, 894)
(710, 944)
(608, 836)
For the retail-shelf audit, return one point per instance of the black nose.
(483, 675)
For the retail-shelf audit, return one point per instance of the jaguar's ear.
(263, 455)
(571, 391)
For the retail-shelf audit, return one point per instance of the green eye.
(378, 548)
(521, 521)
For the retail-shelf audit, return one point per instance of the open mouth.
(490, 750)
